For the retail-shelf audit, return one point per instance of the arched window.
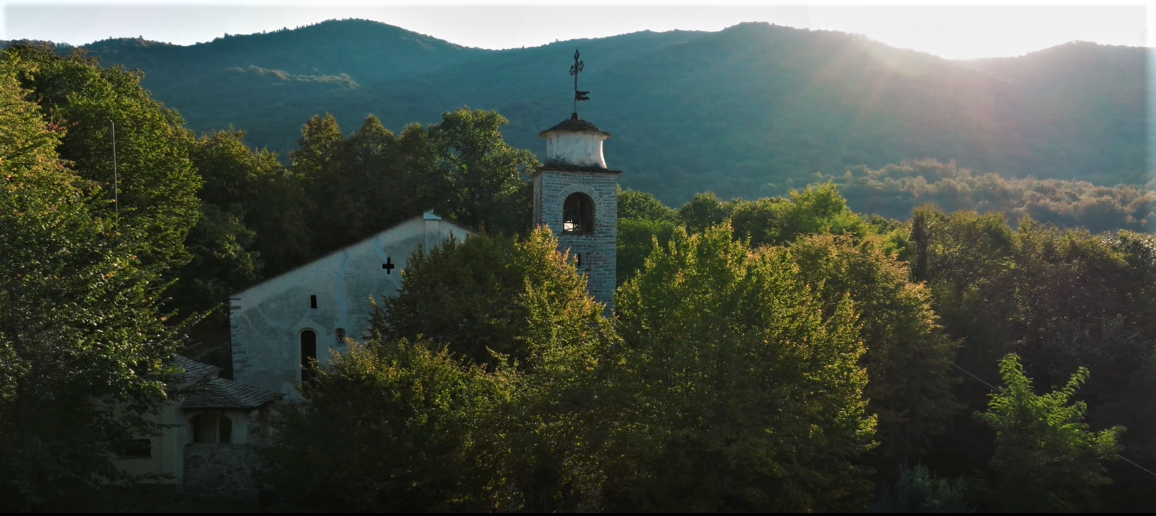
(578, 214)
(308, 354)
(224, 429)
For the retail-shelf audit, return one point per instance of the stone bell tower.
(576, 196)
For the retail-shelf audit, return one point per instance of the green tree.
(636, 239)
(908, 354)
(815, 210)
(265, 197)
(633, 204)
(736, 393)
(157, 184)
(474, 296)
(967, 261)
(221, 262)
(919, 491)
(705, 210)
(1046, 458)
(429, 426)
(487, 176)
(82, 342)
(364, 183)
(409, 420)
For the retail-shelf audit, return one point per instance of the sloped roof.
(210, 391)
(429, 215)
(219, 393)
(574, 125)
(194, 370)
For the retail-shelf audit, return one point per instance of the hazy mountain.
(730, 111)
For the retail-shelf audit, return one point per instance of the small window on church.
(340, 336)
(313, 302)
(578, 214)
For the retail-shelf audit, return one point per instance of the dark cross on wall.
(388, 265)
(576, 69)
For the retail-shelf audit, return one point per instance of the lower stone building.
(212, 429)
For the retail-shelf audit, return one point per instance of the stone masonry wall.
(599, 248)
(221, 471)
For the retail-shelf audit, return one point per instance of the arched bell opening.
(578, 214)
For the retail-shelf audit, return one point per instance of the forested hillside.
(729, 111)
(780, 354)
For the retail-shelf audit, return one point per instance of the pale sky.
(955, 30)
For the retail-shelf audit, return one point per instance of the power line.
(1142, 468)
(994, 388)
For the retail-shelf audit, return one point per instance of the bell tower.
(576, 196)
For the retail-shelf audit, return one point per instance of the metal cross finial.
(575, 69)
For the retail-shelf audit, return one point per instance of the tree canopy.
(82, 338)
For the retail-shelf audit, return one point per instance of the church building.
(278, 326)
(286, 322)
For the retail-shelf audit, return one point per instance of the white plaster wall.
(580, 149)
(167, 449)
(266, 320)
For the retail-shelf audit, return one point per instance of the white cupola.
(574, 143)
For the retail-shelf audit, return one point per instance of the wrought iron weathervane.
(575, 69)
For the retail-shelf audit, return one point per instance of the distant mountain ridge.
(741, 111)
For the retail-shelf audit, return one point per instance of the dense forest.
(729, 111)
(839, 347)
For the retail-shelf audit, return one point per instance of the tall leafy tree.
(82, 341)
(486, 174)
(633, 204)
(267, 199)
(156, 183)
(476, 296)
(908, 354)
(1046, 457)
(410, 420)
(814, 210)
(705, 210)
(428, 425)
(637, 238)
(736, 392)
(361, 184)
(1060, 299)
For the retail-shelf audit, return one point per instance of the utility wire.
(994, 388)
(1142, 468)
